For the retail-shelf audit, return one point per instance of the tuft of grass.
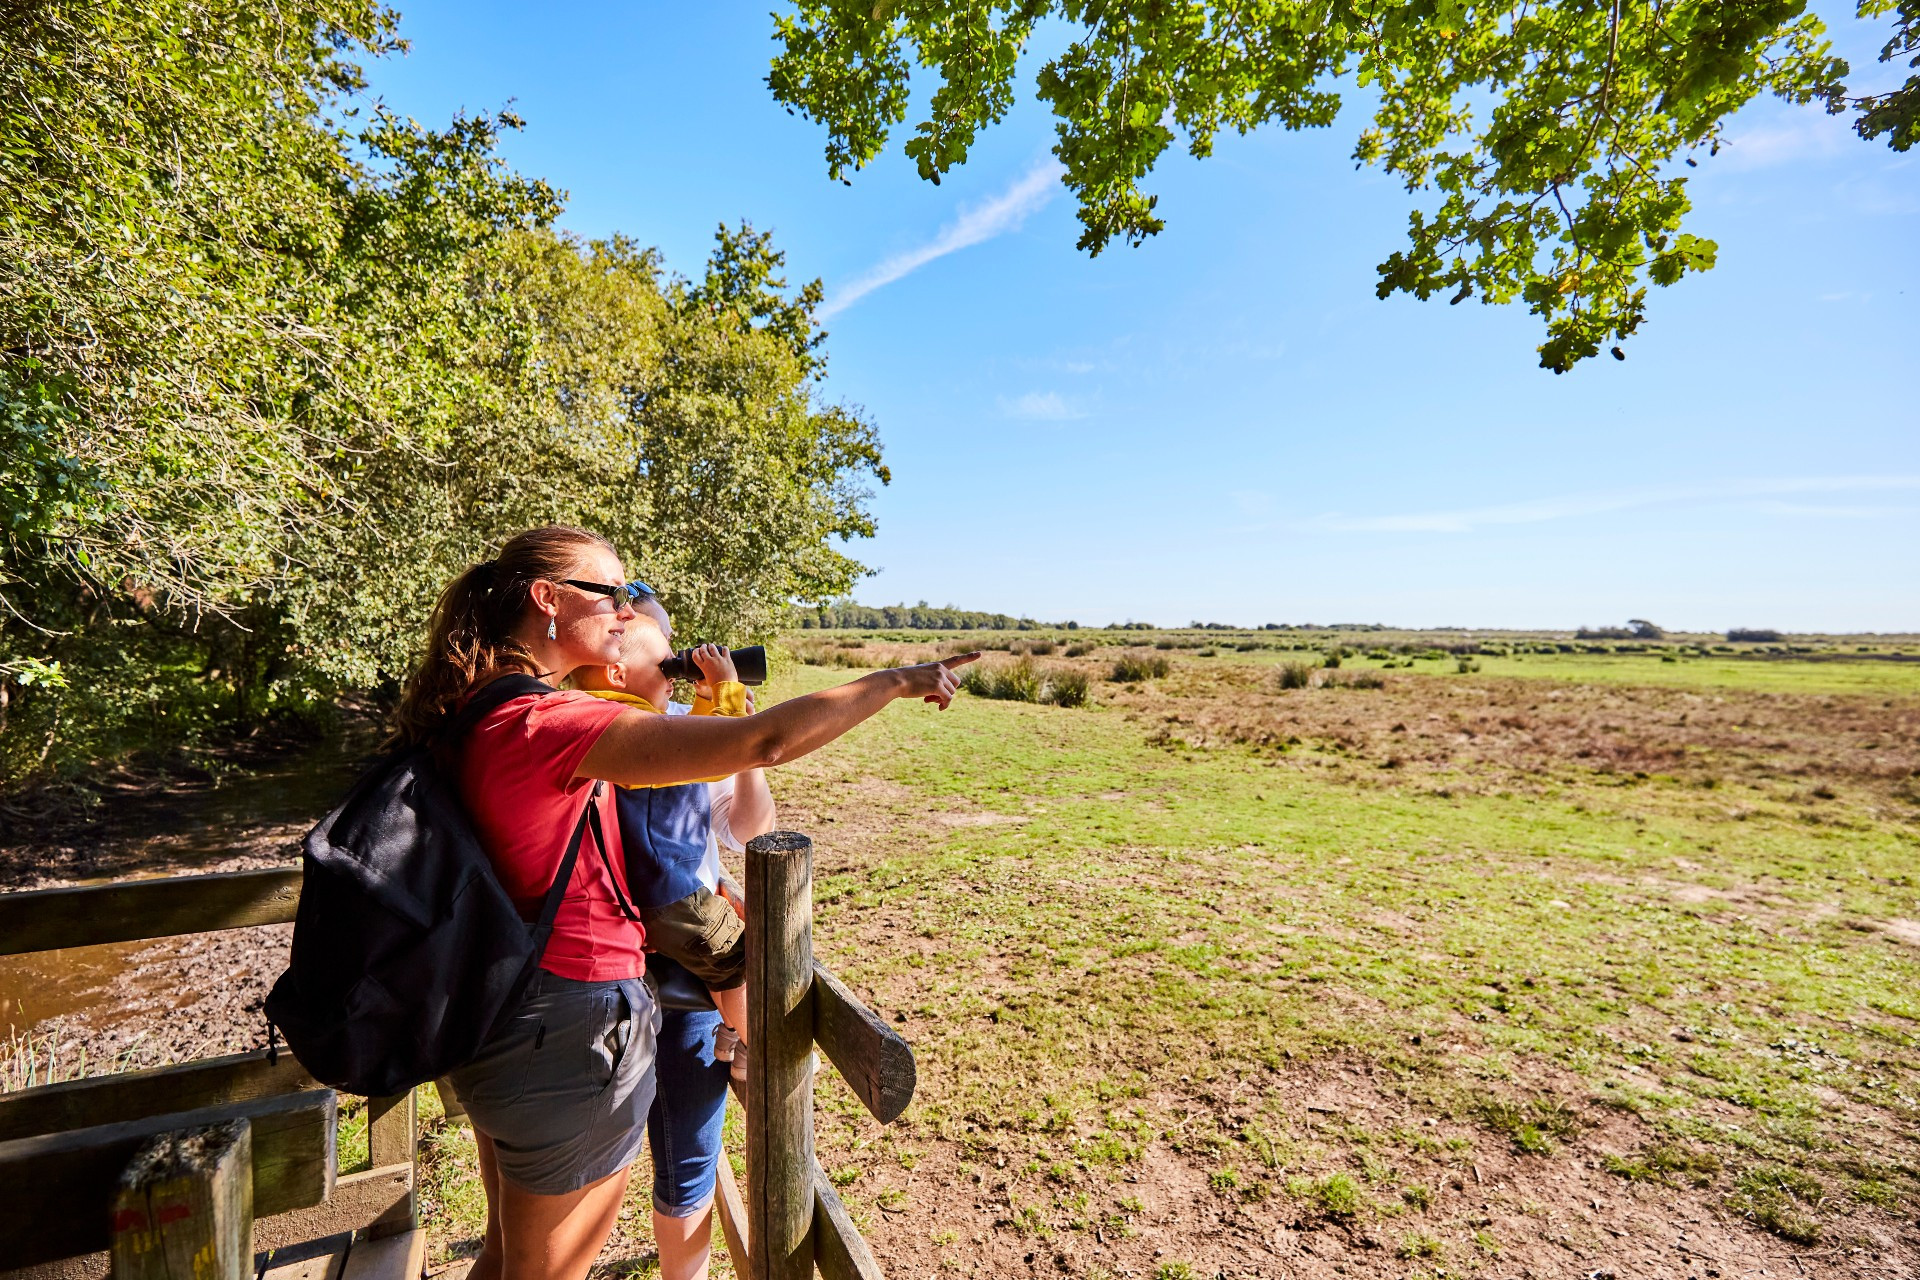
(1131, 667)
(1016, 681)
(1023, 681)
(1067, 687)
(1777, 1198)
(1337, 1194)
(1417, 1196)
(1418, 1244)
(1296, 675)
(1466, 666)
(1531, 1126)
(1079, 650)
(1666, 1162)
(1175, 1271)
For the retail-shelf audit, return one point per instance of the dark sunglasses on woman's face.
(631, 593)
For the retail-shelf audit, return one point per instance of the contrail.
(998, 216)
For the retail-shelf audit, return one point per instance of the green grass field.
(1113, 948)
(1205, 973)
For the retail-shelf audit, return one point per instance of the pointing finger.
(960, 660)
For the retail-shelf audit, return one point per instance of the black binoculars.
(749, 663)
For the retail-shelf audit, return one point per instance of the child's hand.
(716, 664)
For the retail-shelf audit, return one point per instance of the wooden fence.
(234, 1159)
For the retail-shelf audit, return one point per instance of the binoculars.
(749, 663)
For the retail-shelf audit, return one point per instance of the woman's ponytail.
(470, 636)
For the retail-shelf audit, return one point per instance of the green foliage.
(1895, 113)
(1547, 136)
(275, 364)
(1296, 675)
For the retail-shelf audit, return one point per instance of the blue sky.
(1225, 423)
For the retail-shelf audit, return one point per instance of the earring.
(553, 632)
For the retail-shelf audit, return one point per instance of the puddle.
(250, 820)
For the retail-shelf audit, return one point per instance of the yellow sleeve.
(729, 699)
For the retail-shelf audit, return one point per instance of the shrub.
(1208, 652)
(1296, 675)
(1466, 666)
(1333, 657)
(1753, 635)
(1079, 650)
(1364, 680)
(1166, 644)
(1135, 666)
(1067, 687)
(1041, 647)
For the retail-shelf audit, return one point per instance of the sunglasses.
(624, 593)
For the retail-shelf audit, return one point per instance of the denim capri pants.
(564, 1084)
(689, 1108)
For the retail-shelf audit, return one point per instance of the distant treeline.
(850, 616)
(915, 617)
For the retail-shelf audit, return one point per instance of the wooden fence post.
(184, 1206)
(393, 1139)
(780, 1178)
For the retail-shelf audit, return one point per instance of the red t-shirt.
(516, 778)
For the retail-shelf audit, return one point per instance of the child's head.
(647, 643)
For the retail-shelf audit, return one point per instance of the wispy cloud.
(1571, 506)
(1004, 213)
(1041, 406)
(1796, 136)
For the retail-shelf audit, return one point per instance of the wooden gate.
(229, 1164)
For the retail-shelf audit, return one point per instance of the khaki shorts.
(701, 932)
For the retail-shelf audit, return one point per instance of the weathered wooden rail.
(234, 1158)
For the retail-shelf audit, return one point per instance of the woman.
(559, 1094)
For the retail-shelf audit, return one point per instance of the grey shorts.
(563, 1085)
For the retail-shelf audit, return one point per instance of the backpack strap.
(592, 817)
(550, 907)
(503, 689)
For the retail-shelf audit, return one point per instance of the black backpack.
(406, 949)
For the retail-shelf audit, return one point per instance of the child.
(671, 833)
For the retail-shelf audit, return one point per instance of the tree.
(1548, 133)
(275, 364)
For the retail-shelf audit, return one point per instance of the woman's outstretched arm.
(644, 750)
